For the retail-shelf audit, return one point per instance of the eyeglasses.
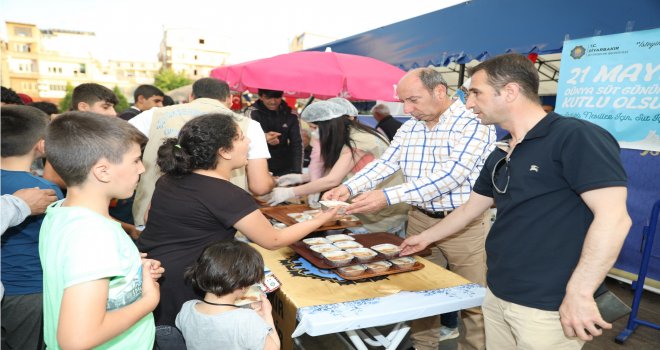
(497, 177)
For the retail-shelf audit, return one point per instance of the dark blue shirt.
(21, 267)
(536, 241)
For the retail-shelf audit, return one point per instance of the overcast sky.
(256, 29)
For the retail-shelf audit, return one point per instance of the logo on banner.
(578, 52)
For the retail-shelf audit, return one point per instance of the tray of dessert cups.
(295, 213)
(357, 256)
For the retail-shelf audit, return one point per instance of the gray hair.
(380, 109)
(431, 78)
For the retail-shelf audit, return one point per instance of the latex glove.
(280, 194)
(289, 179)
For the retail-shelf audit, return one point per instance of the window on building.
(22, 47)
(201, 41)
(23, 31)
(195, 72)
(83, 68)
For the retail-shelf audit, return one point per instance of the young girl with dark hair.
(346, 147)
(194, 204)
(224, 271)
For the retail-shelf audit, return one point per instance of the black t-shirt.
(186, 215)
(536, 241)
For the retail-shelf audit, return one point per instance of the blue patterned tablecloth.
(403, 306)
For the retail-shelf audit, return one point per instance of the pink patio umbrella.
(321, 74)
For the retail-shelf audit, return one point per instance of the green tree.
(122, 102)
(167, 80)
(65, 104)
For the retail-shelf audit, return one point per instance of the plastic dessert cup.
(362, 254)
(387, 250)
(316, 240)
(329, 205)
(339, 237)
(319, 249)
(338, 258)
(379, 266)
(353, 270)
(403, 263)
(347, 244)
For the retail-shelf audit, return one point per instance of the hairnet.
(322, 110)
(349, 109)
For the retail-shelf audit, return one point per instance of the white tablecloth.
(403, 306)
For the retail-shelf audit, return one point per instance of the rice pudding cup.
(362, 254)
(347, 245)
(379, 266)
(353, 270)
(389, 251)
(319, 249)
(405, 262)
(338, 258)
(339, 237)
(316, 241)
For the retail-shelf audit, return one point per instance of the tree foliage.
(167, 80)
(122, 102)
(65, 104)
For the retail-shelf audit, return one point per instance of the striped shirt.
(439, 165)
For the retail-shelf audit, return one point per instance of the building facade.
(41, 62)
(193, 52)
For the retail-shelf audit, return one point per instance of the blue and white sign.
(614, 81)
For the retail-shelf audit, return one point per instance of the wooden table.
(318, 302)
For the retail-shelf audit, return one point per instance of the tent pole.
(461, 75)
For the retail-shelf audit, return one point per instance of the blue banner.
(614, 81)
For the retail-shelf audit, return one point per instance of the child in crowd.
(96, 98)
(89, 97)
(194, 205)
(98, 292)
(224, 271)
(23, 131)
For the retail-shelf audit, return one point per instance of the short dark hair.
(197, 145)
(10, 97)
(431, 78)
(167, 101)
(211, 88)
(47, 107)
(75, 141)
(511, 68)
(22, 128)
(91, 93)
(147, 91)
(226, 266)
(270, 93)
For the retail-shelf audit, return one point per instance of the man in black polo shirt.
(560, 191)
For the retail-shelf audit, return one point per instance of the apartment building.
(193, 52)
(41, 62)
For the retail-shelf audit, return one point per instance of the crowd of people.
(130, 234)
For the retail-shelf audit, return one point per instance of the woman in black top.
(194, 205)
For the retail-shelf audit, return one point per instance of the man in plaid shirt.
(440, 151)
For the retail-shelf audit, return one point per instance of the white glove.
(280, 194)
(289, 179)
